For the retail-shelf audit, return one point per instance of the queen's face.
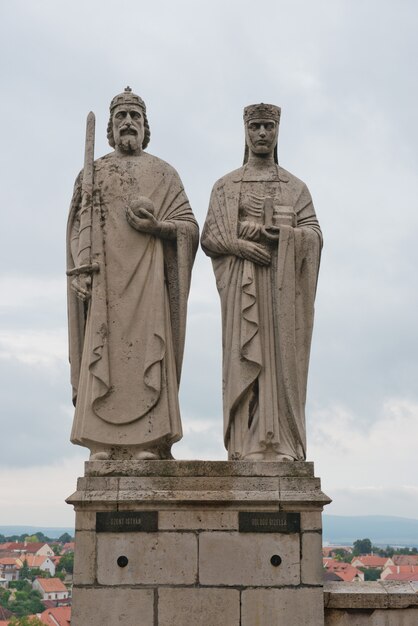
(128, 127)
(261, 135)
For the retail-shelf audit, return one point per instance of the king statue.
(131, 243)
(264, 240)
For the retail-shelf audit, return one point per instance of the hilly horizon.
(382, 530)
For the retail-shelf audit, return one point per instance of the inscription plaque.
(268, 522)
(127, 522)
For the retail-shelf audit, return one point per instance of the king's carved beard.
(128, 142)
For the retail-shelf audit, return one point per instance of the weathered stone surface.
(198, 550)
(154, 558)
(227, 558)
(380, 603)
(265, 242)
(198, 607)
(131, 243)
(198, 520)
(85, 520)
(298, 491)
(401, 593)
(282, 607)
(312, 571)
(223, 484)
(311, 520)
(84, 558)
(369, 595)
(112, 607)
(371, 617)
(170, 484)
(198, 468)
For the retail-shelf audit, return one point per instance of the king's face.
(128, 127)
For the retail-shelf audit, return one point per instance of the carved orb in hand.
(142, 202)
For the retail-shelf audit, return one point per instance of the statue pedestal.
(198, 543)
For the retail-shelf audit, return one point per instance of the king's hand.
(81, 284)
(141, 217)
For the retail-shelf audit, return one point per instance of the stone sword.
(84, 261)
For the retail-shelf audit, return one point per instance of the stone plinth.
(190, 558)
(380, 603)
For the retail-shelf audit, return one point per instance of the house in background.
(51, 589)
(405, 559)
(407, 573)
(344, 571)
(68, 547)
(370, 561)
(30, 547)
(44, 563)
(56, 616)
(9, 569)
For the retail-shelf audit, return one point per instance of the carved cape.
(292, 291)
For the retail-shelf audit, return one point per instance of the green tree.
(371, 573)
(342, 555)
(362, 546)
(20, 585)
(56, 547)
(4, 597)
(25, 621)
(65, 538)
(24, 570)
(26, 603)
(66, 562)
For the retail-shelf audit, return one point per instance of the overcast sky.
(344, 73)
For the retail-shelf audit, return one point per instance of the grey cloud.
(342, 73)
(35, 421)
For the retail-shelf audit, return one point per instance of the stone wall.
(380, 603)
(190, 561)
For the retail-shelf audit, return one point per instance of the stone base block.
(198, 607)
(198, 543)
(282, 607)
(103, 607)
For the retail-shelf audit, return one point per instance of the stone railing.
(380, 603)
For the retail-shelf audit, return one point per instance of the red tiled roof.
(402, 569)
(8, 561)
(34, 546)
(405, 576)
(370, 560)
(344, 570)
(405, 559)
(33, 560)
(61, 615)
(29, 546)
(51, 585)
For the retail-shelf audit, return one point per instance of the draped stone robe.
(267, 311)
(126, 347)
